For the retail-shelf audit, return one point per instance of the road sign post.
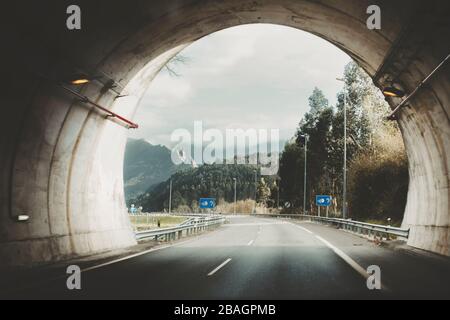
(323, 201)
(207, 203)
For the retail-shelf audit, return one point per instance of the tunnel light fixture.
(392, 116)
(23, 218)
(81, 81)
(394, 92)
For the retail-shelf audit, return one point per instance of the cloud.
(253, 76)
(167, 91)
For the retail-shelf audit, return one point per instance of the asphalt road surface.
(256, 258)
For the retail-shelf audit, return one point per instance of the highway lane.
(255, 258)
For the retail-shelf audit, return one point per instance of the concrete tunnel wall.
(62, 162)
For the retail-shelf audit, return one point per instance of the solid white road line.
(219, 267)
(251, 242)
(199, 237)
(304, 229)
(35, 285)
(338, 251)
(352, 263)
(345, 257)
(134, 256)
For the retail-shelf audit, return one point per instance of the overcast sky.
(253, 76)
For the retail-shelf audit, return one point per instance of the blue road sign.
(207, 203)
(323, 201)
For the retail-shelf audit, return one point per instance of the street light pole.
(304, 177)
(235, 196)
(278, 193)
(344, 188)
(256, 190)
(170, 197)
(344, 205)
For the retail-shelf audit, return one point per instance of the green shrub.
(378, 181)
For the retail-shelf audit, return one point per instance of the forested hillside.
(210, 181)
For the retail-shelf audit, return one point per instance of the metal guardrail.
(354, 226)
(191, 226)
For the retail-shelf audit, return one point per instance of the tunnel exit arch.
(62, 162)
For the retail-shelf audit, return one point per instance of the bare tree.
(171, 66)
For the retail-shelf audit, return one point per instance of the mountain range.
(145, 166)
